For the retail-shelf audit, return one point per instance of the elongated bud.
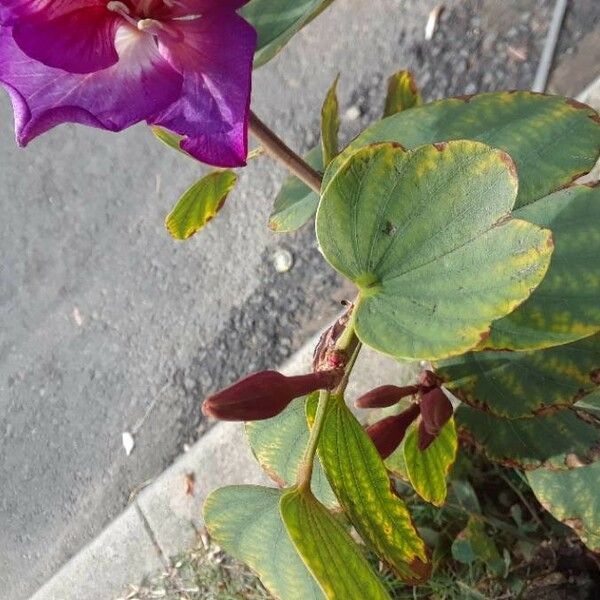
(264, 395)
(389, 432)
(385, 395)
(436, 410)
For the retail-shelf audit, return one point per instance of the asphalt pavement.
(108, 325)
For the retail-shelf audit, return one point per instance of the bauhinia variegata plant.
(460, 224)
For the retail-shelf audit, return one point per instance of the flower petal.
(79, 41)
(12, 10)
(139, 85)
(214, 53)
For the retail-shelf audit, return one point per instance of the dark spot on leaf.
(484, 336)
(390, 229)
(440, 146)
(595, 376)
(550, 241)
(592, 184)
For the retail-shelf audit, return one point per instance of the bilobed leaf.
(279, 445)
(519, 384)
(330, 124)
(561, 439)
(426, 236)
(573, 497)
(200, 203)
(566, 305)
(277, 21)
(428, 469)
(296, 203)
(402, 93)
(362, 485)
(245, 521)
(328, 551)
(552, 140)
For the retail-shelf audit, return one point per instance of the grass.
(203, 573)
(517, 551)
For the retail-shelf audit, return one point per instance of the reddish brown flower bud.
(264, 395)
(385, 395)
(429, 380)
(425, 438)
(436, 410)
(389, 432)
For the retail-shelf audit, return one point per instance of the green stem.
(306, 470)
(351, 344)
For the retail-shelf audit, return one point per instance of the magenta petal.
(80, 41)
(12, 10)
(139, 85)
(214, 54)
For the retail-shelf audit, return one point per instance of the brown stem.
(285, 155)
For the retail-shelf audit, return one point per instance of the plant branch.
(349, 343)
(275, 147)
(306, 469)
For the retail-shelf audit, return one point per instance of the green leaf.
(552, 140)
(463, 494)
(328, 551)
(566, 305)
(426, 236)
(246, 522)
(473, 544)
(200, 203)
(561, 439)
(296, 203)
(330, 124)
(362, 485)
(279, 445)
(402, 93)
(277, 21)
(573, 497)
(427, 470)
(519, 384)
(169, 139)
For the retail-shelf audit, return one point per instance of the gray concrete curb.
(164, 519)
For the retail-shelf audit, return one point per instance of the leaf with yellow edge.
(331, 555)
(521, 384)
(402, 93)
(428, 469)
(427, 238)
(330, 124)
(246, 522)
(573, 497)
(200, 203)
(552, 140)
(362, 485)
(566, 305)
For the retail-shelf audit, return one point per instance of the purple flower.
(181, 64)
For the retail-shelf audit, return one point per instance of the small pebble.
(283, 261)
(352, 113)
